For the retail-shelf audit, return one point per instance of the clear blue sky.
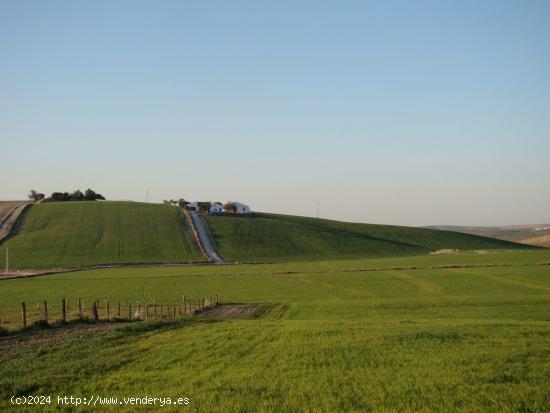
(402, 112)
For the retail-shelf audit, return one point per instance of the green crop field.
(267, 237)
(77, 234)
(464, 332)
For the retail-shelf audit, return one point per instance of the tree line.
(78, 195)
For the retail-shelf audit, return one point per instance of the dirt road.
(9, 216)
(206, 238)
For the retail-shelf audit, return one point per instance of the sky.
(392, 112)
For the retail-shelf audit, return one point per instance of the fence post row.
(186, 307)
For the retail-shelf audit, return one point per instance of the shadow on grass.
(132, 327)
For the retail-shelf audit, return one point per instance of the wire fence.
(44, 313)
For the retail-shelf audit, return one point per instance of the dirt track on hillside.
(10, 211)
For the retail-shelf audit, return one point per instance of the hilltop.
(272, 237)
(74, 234)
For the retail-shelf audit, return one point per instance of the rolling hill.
(538, 234)
(74, 234)
(269, 237)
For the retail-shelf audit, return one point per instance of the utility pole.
(147, 192)
(7, 260)
(317, 209)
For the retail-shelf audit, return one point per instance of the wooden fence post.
(79, 308)
(174, 312)
(63, 310)
(161, 311)
(23, 314)
(139, 311)
(45, 310)
(95, 314)
(108, 310)
(146, 312)
(118, 310)
(155, 311)
(129, 311)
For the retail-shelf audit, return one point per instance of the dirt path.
(236, 311)
(8, 221)
(206, 238)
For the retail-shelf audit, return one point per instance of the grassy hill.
(87, 233)
(269, 237)
(538, 234)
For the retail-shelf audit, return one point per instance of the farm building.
(239, 208)
(215, 208)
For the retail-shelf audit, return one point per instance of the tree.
(60, 196)
(35, 196)
(91, 195)
(182, 203)
(77, 196)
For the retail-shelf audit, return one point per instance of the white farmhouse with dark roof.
(215, 208)
(240, 208)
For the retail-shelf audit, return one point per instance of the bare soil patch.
(230, 311)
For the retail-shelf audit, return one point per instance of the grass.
(268, 237)
(75, 234)
(355, 335)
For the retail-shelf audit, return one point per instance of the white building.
(193, 206)
(241, 208)
(215, 208)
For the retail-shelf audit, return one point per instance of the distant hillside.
(538, 235)
(269, 237)
(73, 234)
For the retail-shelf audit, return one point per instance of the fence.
(97, 310)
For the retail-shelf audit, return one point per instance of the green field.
(77, 234)
(267, 237)
(466, 332)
